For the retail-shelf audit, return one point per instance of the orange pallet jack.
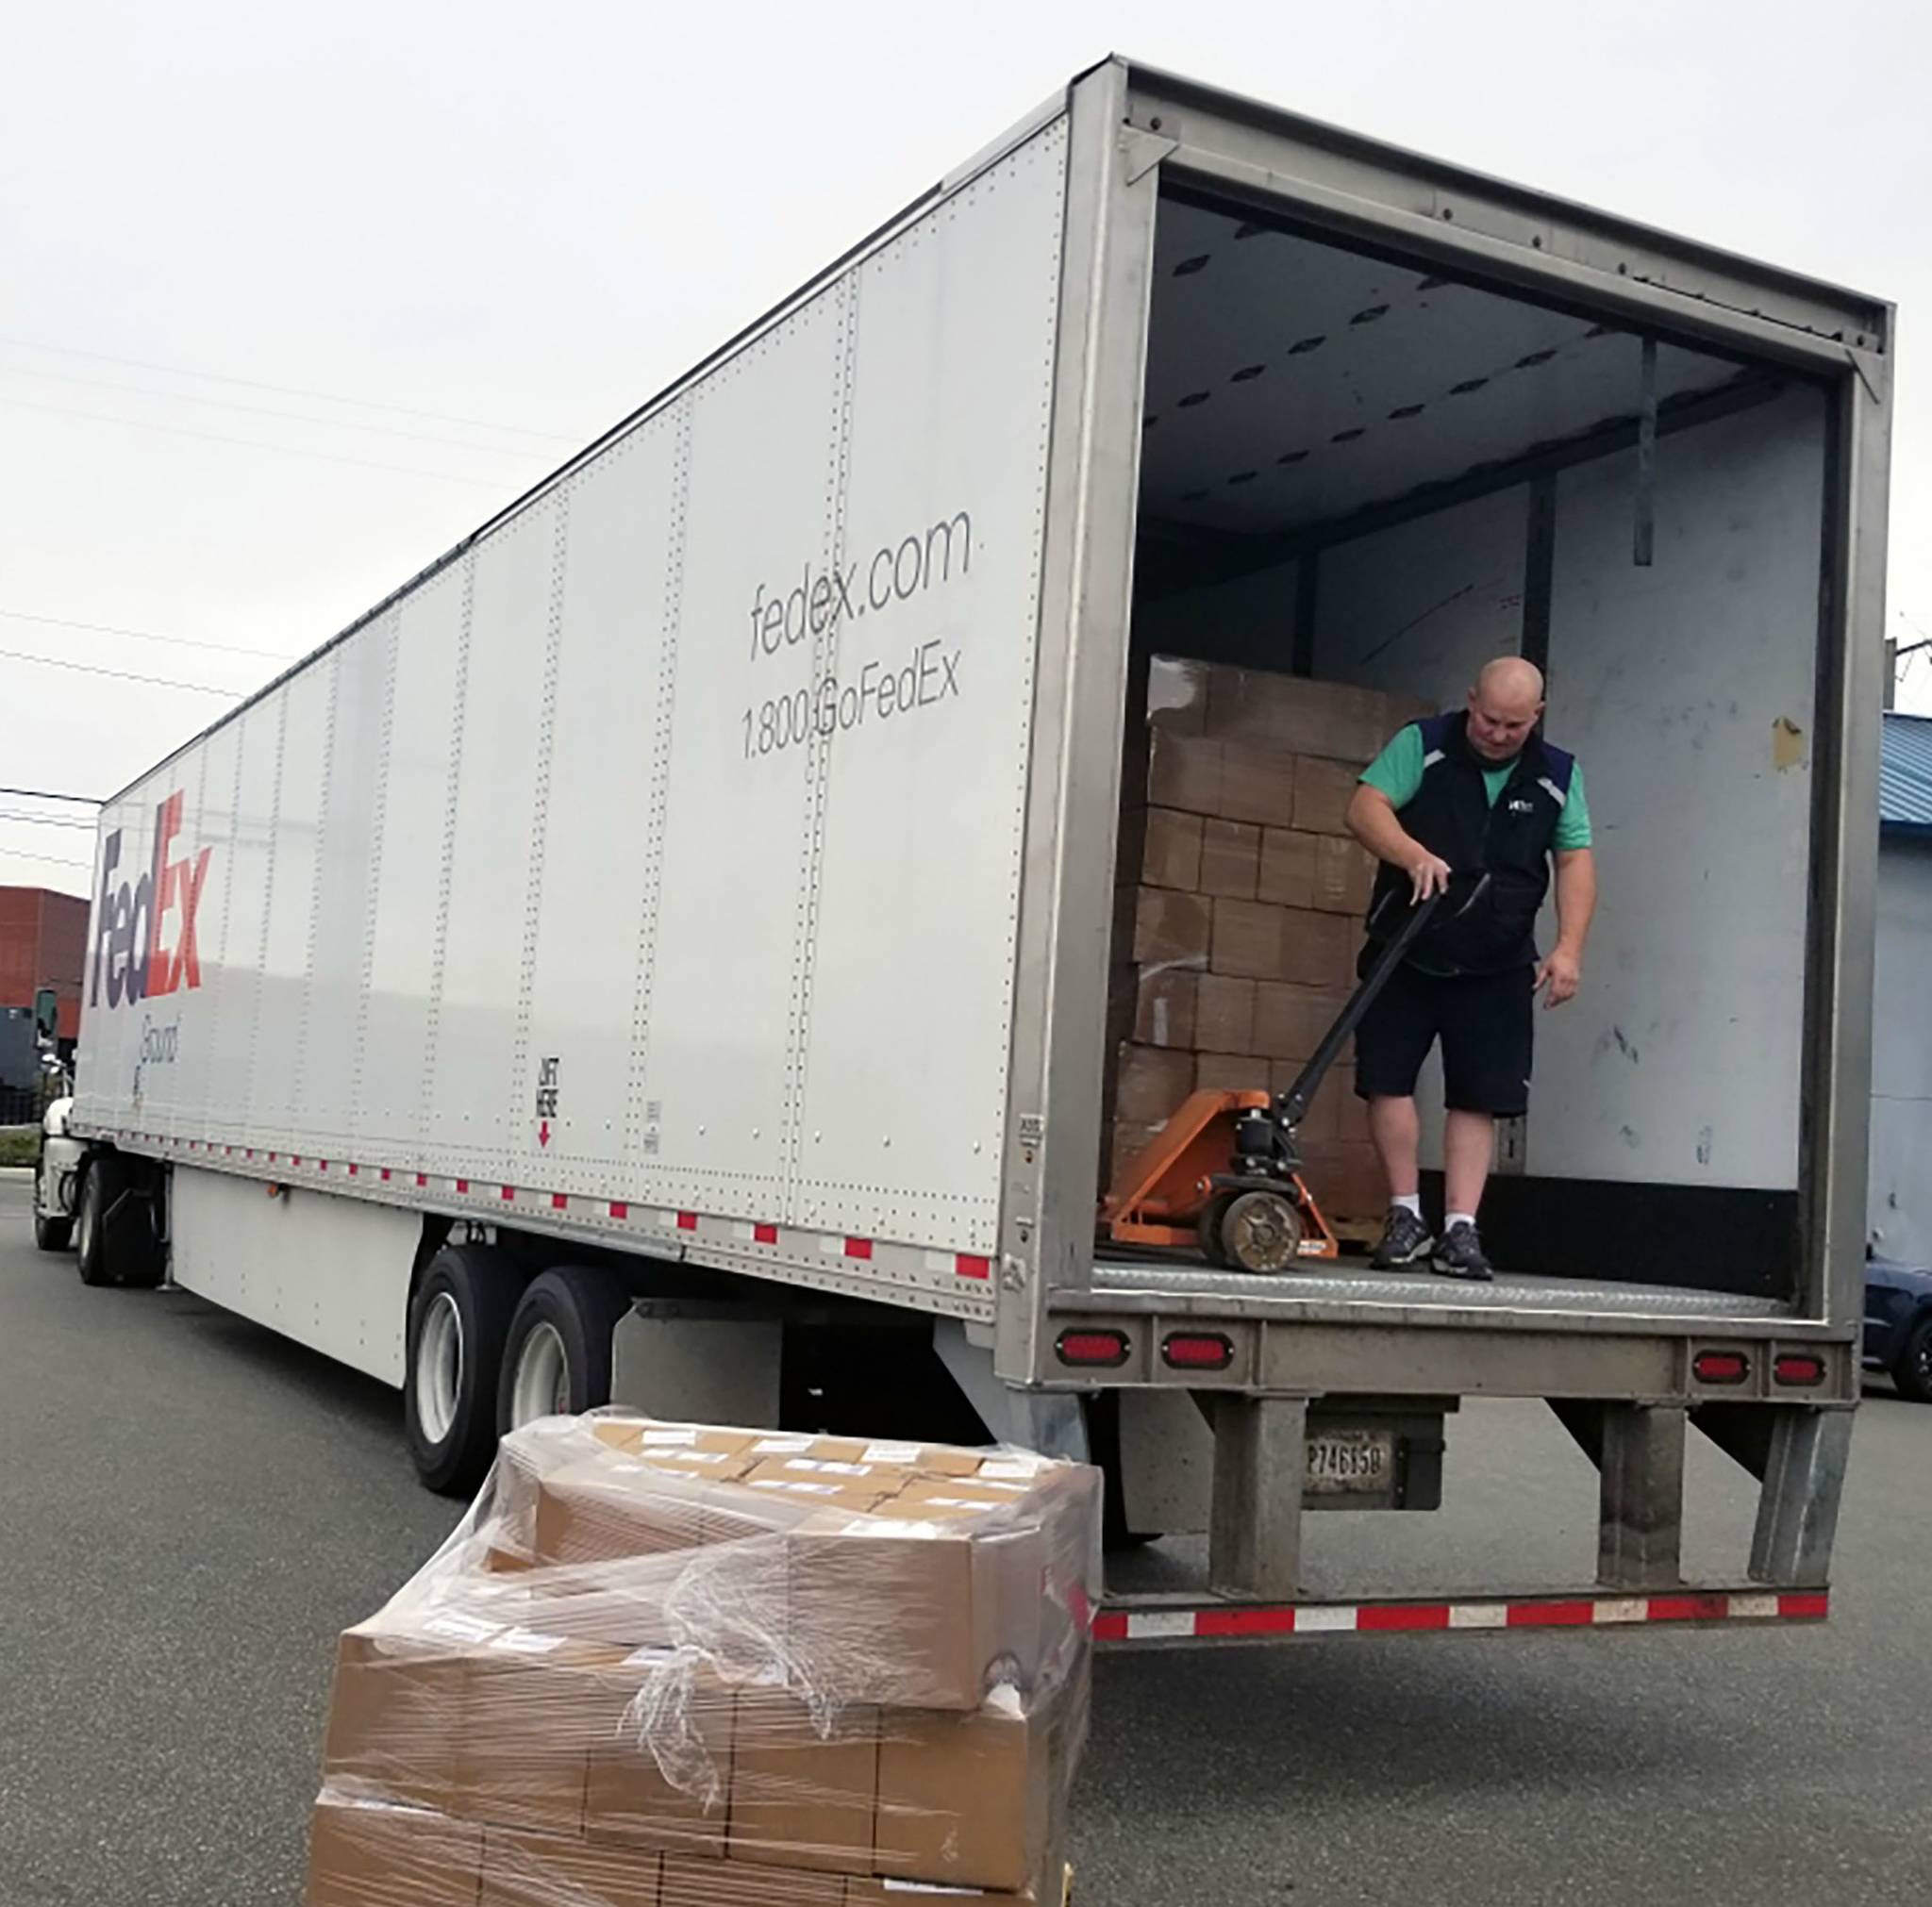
(1223, 1175)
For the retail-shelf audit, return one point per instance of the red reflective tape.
(507, 1193)
(251, 1152)
(271, 1158)
(323, 1164)
(1244, 1621)
(1688, 1608)
(1549, 1615)
(968, 1266)
(1110, 1626)
(764, 1234)
(1806, 1604)
(859, 1248)
(422, 1178)
(619, 1209)
(294, 1158)
(686, 1221)
(462, 1184)
(559, 1201)
(1403, 1615)
(353, 1169)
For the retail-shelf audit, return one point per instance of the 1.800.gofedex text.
(827, 707)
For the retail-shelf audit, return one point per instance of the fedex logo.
(132, 922)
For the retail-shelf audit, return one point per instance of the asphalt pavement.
(190, 1508)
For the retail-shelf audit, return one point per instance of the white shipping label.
(527, 1642)
(891, 1454)
(671, 1434)
(454, 1623)
(996, 1468)
(828, 1467)
(780, 1447)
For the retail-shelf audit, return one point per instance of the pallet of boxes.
(1240, 898)
(674, 1665)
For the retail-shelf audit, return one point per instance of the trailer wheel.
(115, 1226)
(557, 1360)
(458, 1324)
(1912, 1373)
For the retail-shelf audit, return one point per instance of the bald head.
(1504, 706)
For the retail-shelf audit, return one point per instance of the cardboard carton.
(1224, 1014)
(600, 1508)
(804, 1789)
(365, 1851)
(1178, 691)
(1255, 941)
(952, 1597)
(1345, 875)
(1230, 1072)
(1323, 790)
(1151, 1081)
(1294, 714)
(1171, 929)
(1184, 771)
(925, 1460)
(966, 1799)
(1230, 858)
(1256, 783)
(686, 1882)
(658, 1770)
(1289, 1021)
(523, 1869)
(1285, 876)
(1164, 1007)
(1170, 850)
(393, 1714)
(526, 1725)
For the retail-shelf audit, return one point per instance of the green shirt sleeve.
(1573, 825)
(1397, 771)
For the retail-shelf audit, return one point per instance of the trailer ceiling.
(1290, 382)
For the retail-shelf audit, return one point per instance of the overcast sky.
(495, 228)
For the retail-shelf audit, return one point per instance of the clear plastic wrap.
(680, 1666)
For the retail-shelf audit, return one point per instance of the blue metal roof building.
(1905, 774)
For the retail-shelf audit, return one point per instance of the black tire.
(115, 1223)
(1207, 1229)
(50, 1235)
(563, 1332)
(1261, 1232)
(1102, 1410)
(1912, 1372)
(464, 1302)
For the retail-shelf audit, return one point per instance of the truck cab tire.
(51, 1234)
(114, 1226)
(1912, 1370)
(558, 1356)
(460, 1320)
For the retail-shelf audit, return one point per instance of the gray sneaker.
(1405, 1240)
(1459, 1255)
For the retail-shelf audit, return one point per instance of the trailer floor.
(1359, 1286)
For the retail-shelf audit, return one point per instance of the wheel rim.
(438, 1367)
(542, 1384)
(1263, 1232)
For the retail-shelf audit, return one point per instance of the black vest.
(1451, 815)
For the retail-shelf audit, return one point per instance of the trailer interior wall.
(657, 857)
(1369, 472)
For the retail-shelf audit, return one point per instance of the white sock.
(1410, 1203)
(1452, 1219)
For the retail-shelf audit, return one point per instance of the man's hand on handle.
(1427, 875)
(1563, 973)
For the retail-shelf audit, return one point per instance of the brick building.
(43, 943)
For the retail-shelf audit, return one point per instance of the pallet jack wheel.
(1261, 1232)
(1213, 1242)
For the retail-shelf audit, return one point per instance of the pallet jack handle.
(1291, 1107)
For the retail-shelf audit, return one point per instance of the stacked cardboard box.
(672, 1665)
(1240, 901)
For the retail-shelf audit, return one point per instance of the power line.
(41, 794)
(283, 389)
(52, 860)
(44, 820)
(263, 410)
(121, 675)
(250, 442)
(147, 636)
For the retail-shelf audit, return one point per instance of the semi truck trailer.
(662, 951)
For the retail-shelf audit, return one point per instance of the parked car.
(1898, 1325)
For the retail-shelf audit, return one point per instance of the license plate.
(1345, 1462)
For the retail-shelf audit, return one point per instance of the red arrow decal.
(543, 1134)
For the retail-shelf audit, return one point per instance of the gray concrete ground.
(190, 1508)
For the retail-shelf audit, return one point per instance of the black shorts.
(1486, 1027)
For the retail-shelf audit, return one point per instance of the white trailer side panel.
(564, 875)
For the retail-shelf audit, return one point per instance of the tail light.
(1720, 1366)
(1799, 1368)
(1197, 1350)
(1105, 1350)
